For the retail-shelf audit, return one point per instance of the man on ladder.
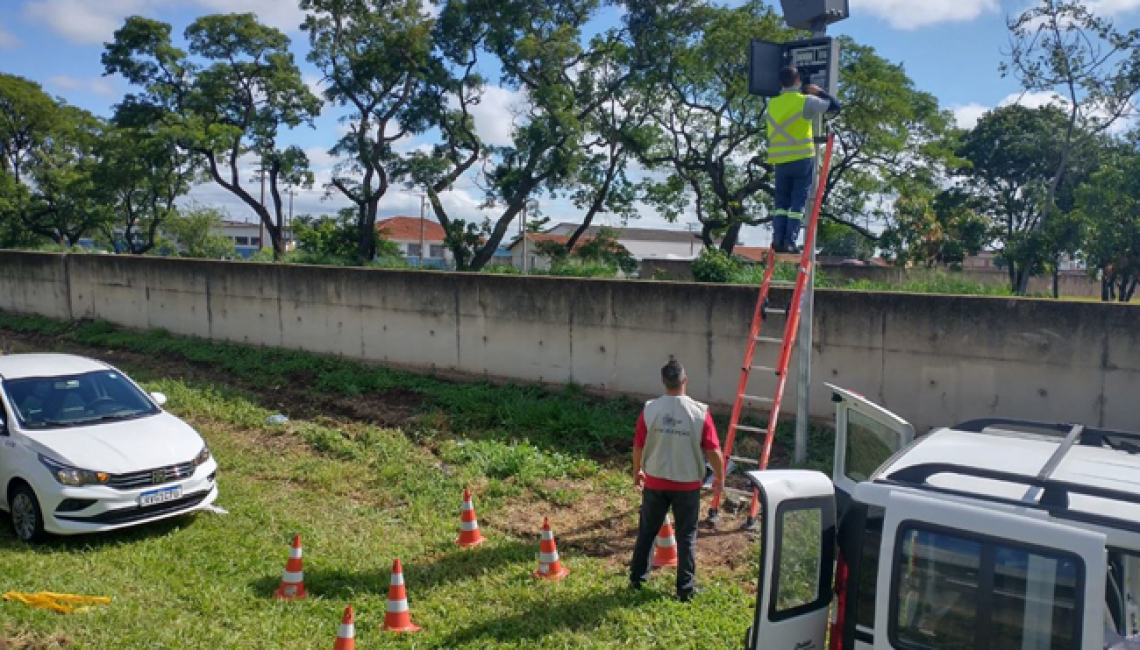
(791, 148)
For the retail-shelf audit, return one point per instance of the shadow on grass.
(454, 565)
(581, 614)
(93, 541)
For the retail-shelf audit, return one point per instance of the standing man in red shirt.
(675, 436)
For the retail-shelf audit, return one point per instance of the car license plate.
(155, 497)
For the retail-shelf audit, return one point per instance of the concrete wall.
(932, 359)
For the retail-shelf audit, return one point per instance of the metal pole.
(292, 193)
(260, 221)
(423, 209)
(807, 309)
(522, 227)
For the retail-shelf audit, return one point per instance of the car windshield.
(76, 400)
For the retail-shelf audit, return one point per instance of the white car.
(83, 449)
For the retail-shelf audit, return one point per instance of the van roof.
(1087, 474)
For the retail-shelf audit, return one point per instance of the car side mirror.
(158, 398)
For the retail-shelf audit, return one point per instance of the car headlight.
(73, 476)
(202, 457)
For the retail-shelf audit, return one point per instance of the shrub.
(714, 265)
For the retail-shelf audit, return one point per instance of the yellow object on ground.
(62, 603)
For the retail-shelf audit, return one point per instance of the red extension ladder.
(786, 343)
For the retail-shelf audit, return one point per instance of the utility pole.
(692, 228)
(260, 221)
(807, 307)
(423, 212)
(288, 224)
(522, 230)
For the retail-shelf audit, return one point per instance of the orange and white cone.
(398, 619)
(665, 547)
(293, 582)
(346, 635)
(549, 566)
(469, 534)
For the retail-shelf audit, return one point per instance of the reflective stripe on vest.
(790, 136)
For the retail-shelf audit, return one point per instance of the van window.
(798, 554)
(869, 445)
(955, 591)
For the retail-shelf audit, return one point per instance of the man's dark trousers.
(793, 184)
(655, 505)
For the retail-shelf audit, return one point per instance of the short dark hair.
(789, 76)
(673, 374)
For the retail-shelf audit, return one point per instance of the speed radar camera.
(814, 15)
(817, 59)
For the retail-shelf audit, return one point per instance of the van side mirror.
(158, 398)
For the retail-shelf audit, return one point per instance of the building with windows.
(418, 239)
(642, 243)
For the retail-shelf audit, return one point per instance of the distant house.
(417, 238)
(536, 260)
(247, 236)
(645, 243)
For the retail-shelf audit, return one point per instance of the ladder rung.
(776, 311)
(783, 284)
(746, 461)
(764, 369)
(762, 400)
(741, 427)
(769, 339)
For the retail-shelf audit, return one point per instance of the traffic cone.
(398, 619)
(665, 547)
(346, 635)
(469, 534)
(293, 582)
(549, 567)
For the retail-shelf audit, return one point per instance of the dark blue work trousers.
(793, 183)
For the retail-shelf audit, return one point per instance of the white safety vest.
(674, 428)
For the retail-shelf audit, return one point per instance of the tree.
(46, 163)
(710, 133)
(1010, 156)
(142, 172)
(373, 54)
(544, 57)
(933, 229)
(1059, 47)
(197, 229)
(1109, 206)
(225, 107)
(336, 240)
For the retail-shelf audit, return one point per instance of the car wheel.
(27, 519)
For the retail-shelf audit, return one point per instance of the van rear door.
(866, 436)
(797, 555)
(953, 575)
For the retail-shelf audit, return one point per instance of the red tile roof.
(408, 229)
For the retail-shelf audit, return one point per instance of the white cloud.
(912, 14)
(91, 22)
(495, 115)
(8, 40)
(1107, 7)
(967, 115)
(285, 15)
(97, 85)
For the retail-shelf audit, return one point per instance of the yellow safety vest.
(790, 136)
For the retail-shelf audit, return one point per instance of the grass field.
(370, 467)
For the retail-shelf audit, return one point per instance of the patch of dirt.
(600, 525)
(16, 640)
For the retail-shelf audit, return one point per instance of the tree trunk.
(1105, 289)
(1056, 283)
(731, 236)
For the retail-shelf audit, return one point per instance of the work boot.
(779, 248)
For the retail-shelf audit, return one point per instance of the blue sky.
(951, 48)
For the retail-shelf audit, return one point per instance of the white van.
(992, 534)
